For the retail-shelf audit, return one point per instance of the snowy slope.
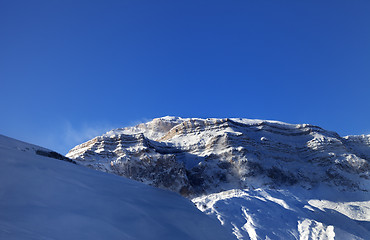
(290, 213)
(44, 198)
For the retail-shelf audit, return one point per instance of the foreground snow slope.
(45, 198)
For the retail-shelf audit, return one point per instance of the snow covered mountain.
(261, 179)
(202, 156)
(43, 195)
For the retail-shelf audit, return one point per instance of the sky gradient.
(71, 70)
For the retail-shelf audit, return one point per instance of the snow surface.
(45, 198)
(293, 213)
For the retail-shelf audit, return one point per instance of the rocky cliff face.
(195, 156)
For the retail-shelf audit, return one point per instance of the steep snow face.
(290, 213)
(44, 198)
(359, 145)
(202, 156)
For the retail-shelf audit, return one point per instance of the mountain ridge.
(237, 152)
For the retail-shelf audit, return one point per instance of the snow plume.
(73, 134)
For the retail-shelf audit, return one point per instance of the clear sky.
(70, 70)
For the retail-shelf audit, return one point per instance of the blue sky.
(70, 70)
